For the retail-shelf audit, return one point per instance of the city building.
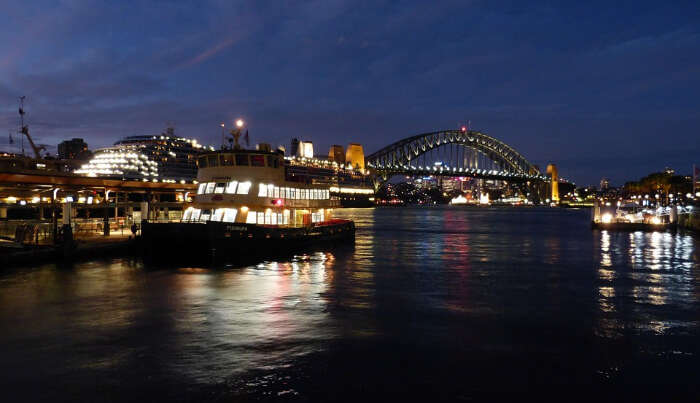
(604, 184)
(337, 154)
(294, 149)
(73, 149)
(355, 156)
(163, 157)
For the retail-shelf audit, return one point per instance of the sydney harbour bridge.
(459, 152)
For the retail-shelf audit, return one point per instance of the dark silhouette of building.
(73, 149)
(295, 147)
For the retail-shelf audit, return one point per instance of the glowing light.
(239, 123)
(655, 220)
(606, 218)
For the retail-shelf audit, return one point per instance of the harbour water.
(430, 303)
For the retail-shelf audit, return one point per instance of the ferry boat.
(246, 206)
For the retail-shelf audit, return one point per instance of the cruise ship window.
(212, 160)
(200, 190)
(227, 160)
(210, 187)
(202, 162)
(231, 187)
(277, 192)
(241, 159)
(243, 188)
(220, 187)
(261, 217)
(257, 160)
(270, 190)
(262, 190)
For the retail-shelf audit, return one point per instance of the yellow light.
(606, 218)
(655, 220)
(244, 209)
(239, 123)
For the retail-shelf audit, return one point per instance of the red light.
(278, 202)
(464, 128)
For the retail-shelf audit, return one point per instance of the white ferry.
(247, 205)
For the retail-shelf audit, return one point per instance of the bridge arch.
(398, 156)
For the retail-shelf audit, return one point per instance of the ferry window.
(204, 217)
(262, 190)
(227, 160)
(241, 159)
(257, 160)
(268, 217)
(220, 187)
(286, 217)
(261, 217)
(274, 219)
(212, 160)
(218, 214)
(230, 214)
(277, 192)
(243, 188)
(270, 190)
(202, 162)
(210, 188)
(231, 187)
(250, 219)
(188, 214)
(195, 214)
(200, 190)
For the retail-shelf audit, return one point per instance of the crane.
(25, 130)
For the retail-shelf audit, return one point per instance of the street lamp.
(239, 123)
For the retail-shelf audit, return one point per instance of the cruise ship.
(248, 204)
(163, 157)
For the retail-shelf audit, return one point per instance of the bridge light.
(464, 129)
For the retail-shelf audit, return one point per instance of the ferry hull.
(236, 242)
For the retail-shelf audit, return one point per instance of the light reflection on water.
(647, 283)
(492, 285)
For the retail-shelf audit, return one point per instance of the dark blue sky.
(600, 88)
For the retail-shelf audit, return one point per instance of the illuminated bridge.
(453, 153)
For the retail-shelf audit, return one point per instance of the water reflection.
(646, 283)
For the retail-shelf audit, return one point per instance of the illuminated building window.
(262, 190)
(210, 188)
(277, 192)
(220, 187)
(261, 217)
(201, 188)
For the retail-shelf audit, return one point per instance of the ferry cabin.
(249, 186)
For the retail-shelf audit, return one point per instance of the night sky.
(600, 88)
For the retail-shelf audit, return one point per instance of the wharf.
(13, 254)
